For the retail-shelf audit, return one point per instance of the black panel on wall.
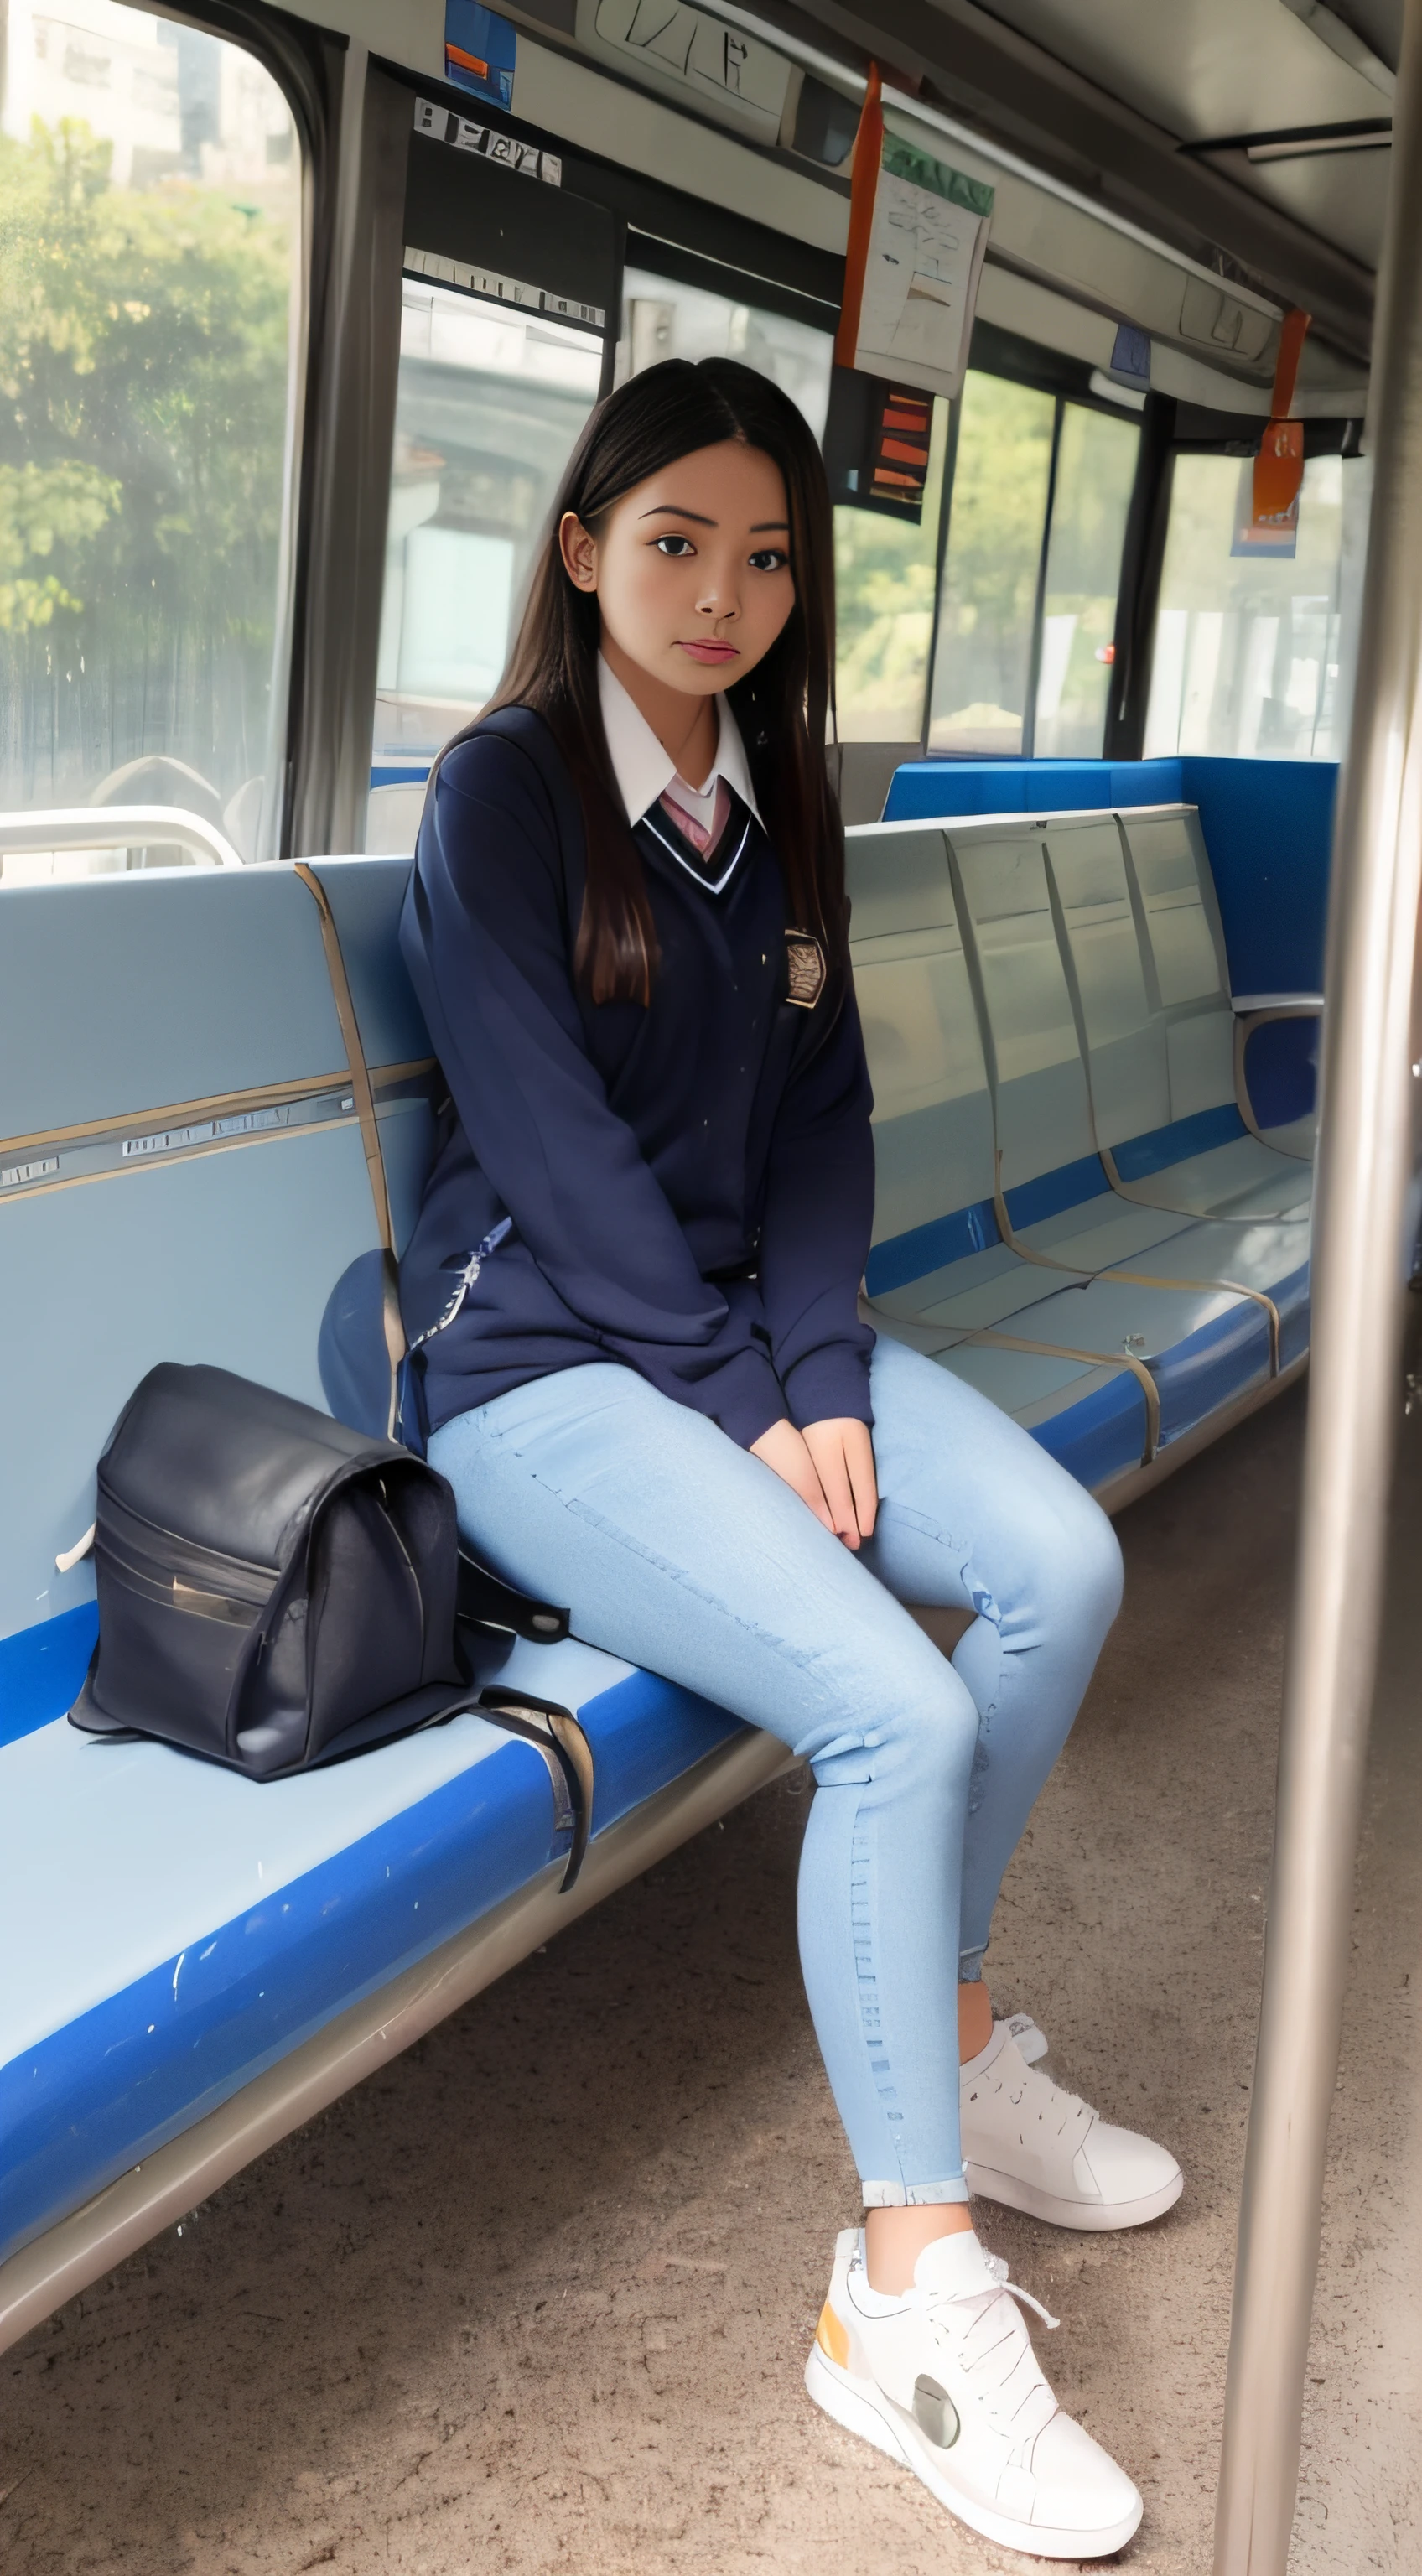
(465, 207)
(720, 234)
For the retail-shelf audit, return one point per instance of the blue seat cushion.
(1091, 1420)
(1203, 1344)
(1101, 1436)
(186, 1928)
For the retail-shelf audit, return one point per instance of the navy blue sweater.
(691, 1182)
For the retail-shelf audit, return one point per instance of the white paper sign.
(925, 256)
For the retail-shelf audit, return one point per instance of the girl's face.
(692, 568)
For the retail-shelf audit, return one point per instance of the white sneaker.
(944, 2379)
(1030, 2145)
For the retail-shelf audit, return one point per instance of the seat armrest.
(1254, 1011)
(1275, 1006)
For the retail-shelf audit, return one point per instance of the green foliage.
(44, 510)
(994, 544)
(143, 376)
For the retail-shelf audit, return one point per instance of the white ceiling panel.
(1199, 67)
(1340, 195)
(1205, 68)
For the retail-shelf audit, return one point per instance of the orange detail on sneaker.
(833, 2337)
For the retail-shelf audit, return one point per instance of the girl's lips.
(709, 652)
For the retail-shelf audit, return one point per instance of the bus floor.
(538, 2296)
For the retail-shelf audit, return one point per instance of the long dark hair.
(781, 706)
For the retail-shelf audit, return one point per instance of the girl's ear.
(578, 548)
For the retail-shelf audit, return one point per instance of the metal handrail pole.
(116, 827)
(1365, 1149)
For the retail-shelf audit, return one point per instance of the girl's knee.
(1106, 1567)
(915, 1742)
(1080, 1570)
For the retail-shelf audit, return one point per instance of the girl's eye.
(769, 559)
(675, 545)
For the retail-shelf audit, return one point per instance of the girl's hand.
(783, 1448)
(831, 1467)
(843, 1455)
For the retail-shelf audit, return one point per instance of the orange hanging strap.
(1291, 339)
(1279, 465)
(864, 187)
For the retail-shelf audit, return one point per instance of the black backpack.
(276, 1590)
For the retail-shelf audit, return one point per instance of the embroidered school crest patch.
(806, 969)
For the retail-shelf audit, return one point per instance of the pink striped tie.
(696, 833)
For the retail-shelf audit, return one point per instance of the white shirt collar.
(643, 769)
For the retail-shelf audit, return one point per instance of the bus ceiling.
(1193, 172)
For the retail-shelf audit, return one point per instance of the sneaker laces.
(1060, 2111)
(997, 2265)
(986, 2346)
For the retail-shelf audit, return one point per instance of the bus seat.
(934, 1227)
(940, 1266)
(1158, 1039)
(938, 1269)
(183, 1176)
(1267, 827)
(929, 790)
(182, 1928)
(1203, 1342)
(211, 1923)
(187, 1180)
(1201, 1157)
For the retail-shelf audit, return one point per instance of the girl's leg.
(681, 1552)
(974, 1515)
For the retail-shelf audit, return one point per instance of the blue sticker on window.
(479, 51)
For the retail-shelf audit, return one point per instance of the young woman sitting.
(659, 1400)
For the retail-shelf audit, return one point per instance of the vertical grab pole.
(1364, 1164)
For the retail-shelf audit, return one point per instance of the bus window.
(489, 403)
(983, 661)
(1096, 464)
(1252, 656)
(1027, 614)
(663, 319)
(150, 210)
(884, 572)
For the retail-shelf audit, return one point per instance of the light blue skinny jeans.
(681, 1552)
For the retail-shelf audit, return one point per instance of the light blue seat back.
(1185, 953)
(365, 896)
(1126, 1054)
(932, 1115)
(1043, 1112)
(182, 1174)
